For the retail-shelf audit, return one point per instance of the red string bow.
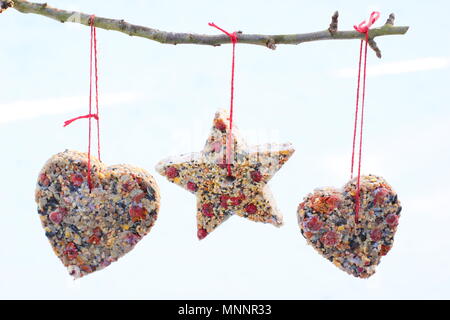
(364, 26)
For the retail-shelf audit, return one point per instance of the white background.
(158, 100)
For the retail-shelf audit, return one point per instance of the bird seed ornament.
(93, 214)
(355, 226)
(90, 227)
(245, 193)
(327, 221)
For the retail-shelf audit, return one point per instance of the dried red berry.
(44, 180)
(224, 201)
(325, 204)
(308, 234)
(392, 220)
(98, 232)
(71, 251)
(256, 176)
(171, 172)
(207, 209)
(139, 197)
(94, 239)
(127, 186)
(235, 201)
(251, 208)
(313, 224)
(376, 235)
(76, 179)
(56, 216)
(384, 250)
(380, 195)
(220, 125)
(86, 268)
(329, 239)
(137, 213)
(192, 186)
(201, 234)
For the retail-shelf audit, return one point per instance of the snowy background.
(159, 100)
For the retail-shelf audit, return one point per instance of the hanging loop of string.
(234, 40)
(363, 27)
(92, 65)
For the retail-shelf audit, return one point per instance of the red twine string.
(363, 27)
(94, 31)
(234, 39)
(92, 62)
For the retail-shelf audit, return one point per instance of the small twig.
(373, 44)
(390, 20)
(375, 48)
(271, 44)
(334, 23)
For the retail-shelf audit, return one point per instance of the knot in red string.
(233, 36)
(364, 26)
(92, 20)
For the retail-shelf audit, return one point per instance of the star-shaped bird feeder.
(220, 194)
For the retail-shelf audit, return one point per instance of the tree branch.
(269, 41)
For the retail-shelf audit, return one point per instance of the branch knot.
(390, 20)
(5, 5)
(334, 23)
